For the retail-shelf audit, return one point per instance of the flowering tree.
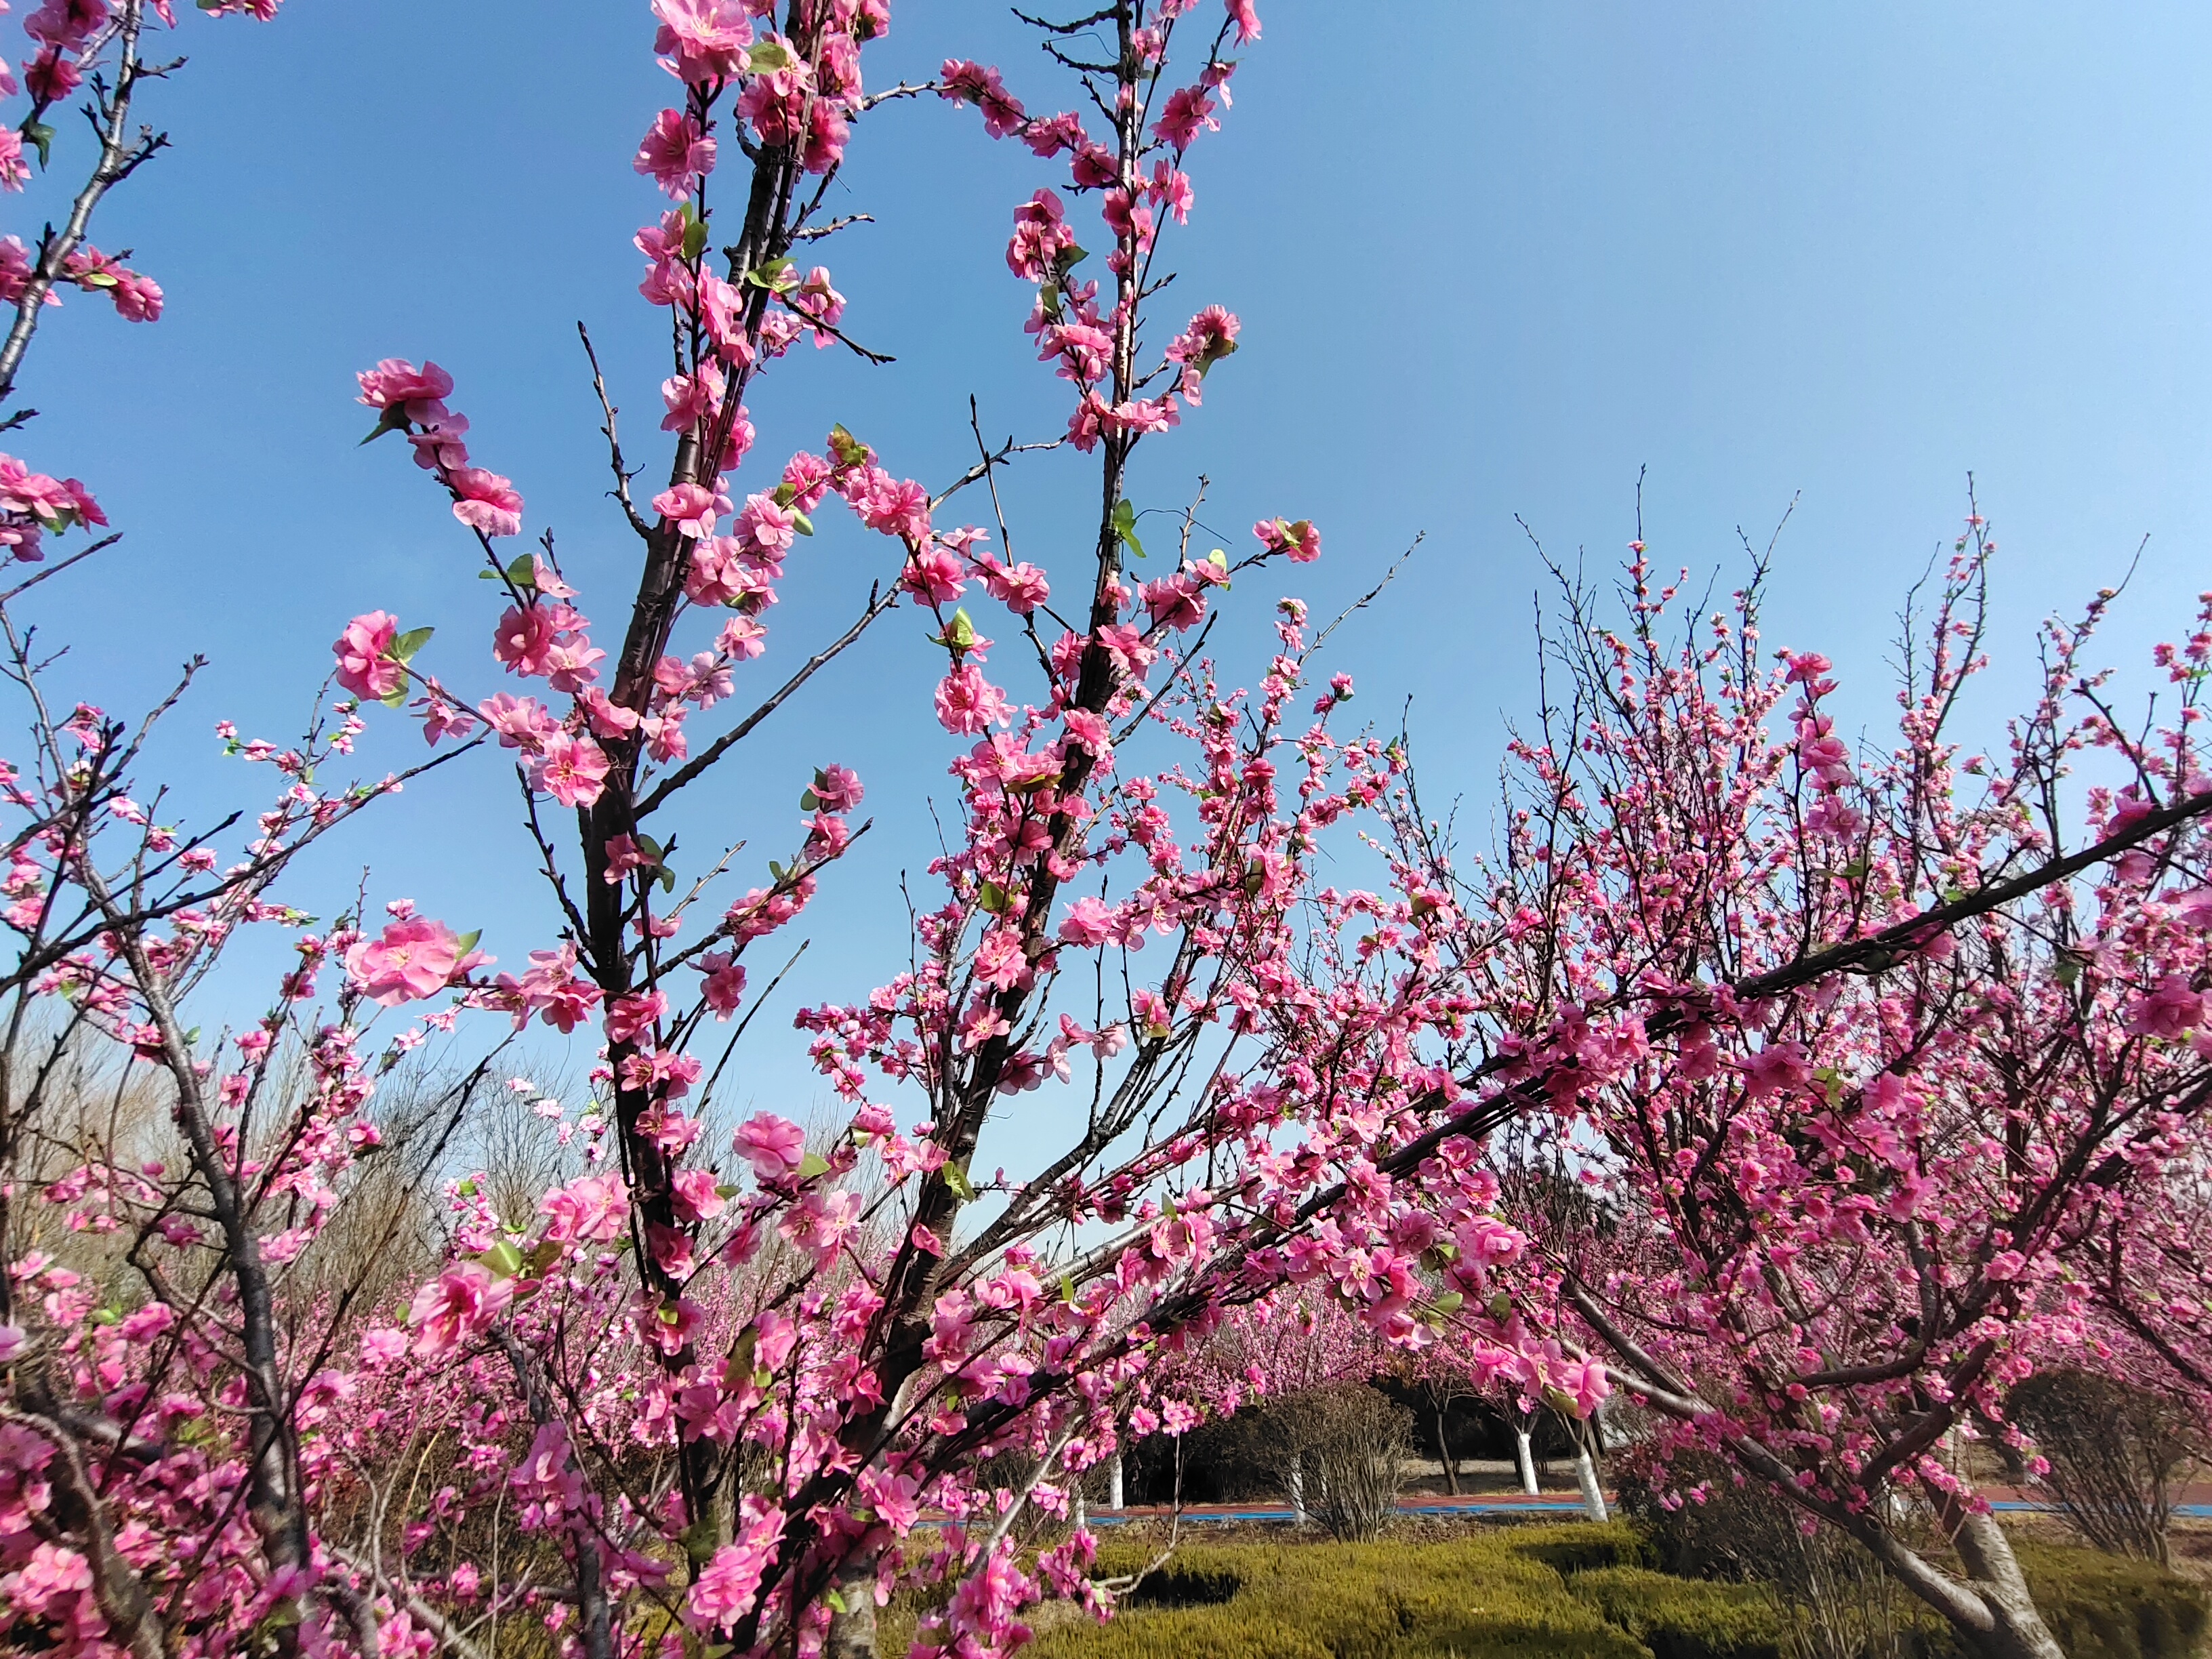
(714, 1394)
(1846, 1209)
(702, 1396)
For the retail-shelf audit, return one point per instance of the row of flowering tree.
(1873, 1074)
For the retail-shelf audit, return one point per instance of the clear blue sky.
(1490, 260)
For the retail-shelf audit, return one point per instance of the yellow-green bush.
(1551, 1592)
(1485, 1597)
(1684, 1617)
(2112, 1607)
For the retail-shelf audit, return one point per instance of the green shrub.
(1686, 1619)
(2110, 1607)
(1488, 1596)
(1570, 1548)
(1555, 1592)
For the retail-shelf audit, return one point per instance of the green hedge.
(2107, 1607)
(1685, 1618)
(1551, 1592)
(1492, 1595)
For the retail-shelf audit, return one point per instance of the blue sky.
(1490, 260)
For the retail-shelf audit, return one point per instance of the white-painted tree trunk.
(1528, 1463)
(1298, 1489)
(1114, 1491)
(1586, 1478)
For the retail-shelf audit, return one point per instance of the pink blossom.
(765, 527)
(704, 40)
(629, 1017)
(692, 508)
(1247, 15)
(728, 1586)
(2172, 1011)
(1020, 587)
(485, 501)
(675, 152)
(1041, 236)
(697, 1197)
(593, 1209)
(365, 665)
(412, 958)
(968, 703)
(1300, 539)
(966, 82)
(775, 1146)
(837, 789)
(396, 384)
(571, 770)
(459, 1303)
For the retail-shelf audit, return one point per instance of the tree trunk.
(1586, 1478)
(1528, 1463)
(2020, 1631)
(1444, 1457)
(1296, 1485)
(1992, 1611)
(852, 1633)
(1114, 1489)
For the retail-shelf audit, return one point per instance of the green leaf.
(396, 697)
(404, 647)
(467, 942)
(768, 57)
(2069, 970)
(694, 234)
(467, 1188)
(957, 1179)
(808, 801)
(776, 873)
(392, 420)
(699, 1539)
(776, 274)
(811, 1166)
(42, 136)
(849, 450)
(960, 633)
(503, 1259)
(1066, 1288)
(1448, 1302)
(801, 523)
(994, 898)
(522, 570)
(835, 1600)
(1125, 527)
